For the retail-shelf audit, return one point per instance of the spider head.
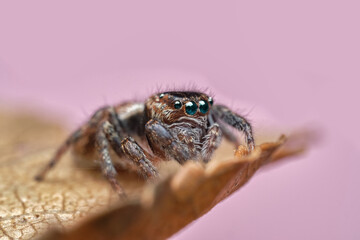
(171, 107)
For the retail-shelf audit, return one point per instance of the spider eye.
(211, 101)
(177, 104)
(161, 95)
(191, 108)
(203, 106)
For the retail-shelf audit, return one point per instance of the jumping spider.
(175, 125)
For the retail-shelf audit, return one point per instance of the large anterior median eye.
(191, 108)
(203, 106)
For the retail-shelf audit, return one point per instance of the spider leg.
(236, 121)
(212, 141)
(228, 134)
(108, 169)
(114, 139)
(139, 156)
(225, 131)
(162, 141)
(59, 153)
(91, 124)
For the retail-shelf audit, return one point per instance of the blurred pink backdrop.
(287, 63)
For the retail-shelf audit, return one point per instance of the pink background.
(287, 63)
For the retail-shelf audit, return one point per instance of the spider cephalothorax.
(171, 107)
(185, 115)
(180, 125)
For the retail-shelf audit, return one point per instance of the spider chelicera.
(176, 125)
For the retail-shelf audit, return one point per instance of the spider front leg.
(228, 134)
(212, 141)
(236, 121)
(163, 143)
(107, 135)
(139, 156)
(127, 147)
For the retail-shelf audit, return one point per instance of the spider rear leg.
(162, 141)
(90, 125)
(212, 141)
(59, 153)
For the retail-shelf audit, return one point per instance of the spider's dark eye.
(203, 106)
(211, 101)
(161, 95)
(177, 104)
(191, 108)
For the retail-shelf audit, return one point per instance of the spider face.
(171, 107)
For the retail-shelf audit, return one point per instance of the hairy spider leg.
(114, 139)
(212, 141)
(107, 167)
(228, 134)
(161, 140)
(122, 148)
(57, 156)
(126, 147)
(92, 123)
(139, 156)
(236, 121)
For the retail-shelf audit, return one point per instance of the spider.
(179, 125)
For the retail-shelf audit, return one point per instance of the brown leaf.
(80, 201)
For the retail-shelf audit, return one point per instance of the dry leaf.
(79, 204)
